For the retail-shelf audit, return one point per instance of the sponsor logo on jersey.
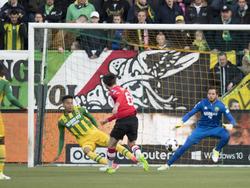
(210, 114)
(73, 121)
(216, 109)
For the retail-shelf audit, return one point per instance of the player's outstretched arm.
(114, 112)
(115, 108)
(186, 117)
(230, 118)
(13, 100)
(229, 127)
(104, 121)
(88, 115)
(179, 125)
(196, 109)
(61, 141)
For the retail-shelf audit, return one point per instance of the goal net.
(167, 68)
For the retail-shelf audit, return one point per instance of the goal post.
(166, 83)
(31, 91)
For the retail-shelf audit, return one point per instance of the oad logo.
(216, 109)
(77, 155)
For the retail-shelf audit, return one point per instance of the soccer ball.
(171, 145)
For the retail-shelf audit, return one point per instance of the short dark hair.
(116, 15)
(13, 11)
(142, 10)
(39, 12)
(231, 101)
(222, 54)
(213, 88)
(83, 15)
(67, 97)
(109, 79)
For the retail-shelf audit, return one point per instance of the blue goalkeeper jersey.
(211, 113)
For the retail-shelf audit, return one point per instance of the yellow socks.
(95, 157)
(125, 152)
(121, 149)
(2, 156)
(1, 167)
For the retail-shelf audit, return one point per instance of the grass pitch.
(126, 177)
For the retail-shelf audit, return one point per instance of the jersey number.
(129, 99)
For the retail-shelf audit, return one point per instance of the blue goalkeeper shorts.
(199, 133)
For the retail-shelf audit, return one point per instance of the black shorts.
(125, 126)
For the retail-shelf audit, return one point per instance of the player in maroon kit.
(126, 121)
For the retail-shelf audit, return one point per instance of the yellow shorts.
(94, 138)
(1, 126)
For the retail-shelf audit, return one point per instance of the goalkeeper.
(83, 126)
(209, 125)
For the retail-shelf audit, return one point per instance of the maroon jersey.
(125, 99)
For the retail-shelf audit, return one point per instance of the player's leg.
(103, 140)
(223, 135)
(111, 152)
(138, 154)
(116, 134)
(194, 138)
(125, 152)
(88, 144)
(2, 154)
(2, 151)
(132, 133)
(93, 155)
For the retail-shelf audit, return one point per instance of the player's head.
(212, 94)
(109, 80)
(67, 101)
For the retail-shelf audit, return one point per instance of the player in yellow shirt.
(83, 126)
(5, 90)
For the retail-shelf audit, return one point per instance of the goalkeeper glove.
(179, 125)
(229, 127)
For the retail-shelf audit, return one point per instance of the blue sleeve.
(196, 109)
(228, 115)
